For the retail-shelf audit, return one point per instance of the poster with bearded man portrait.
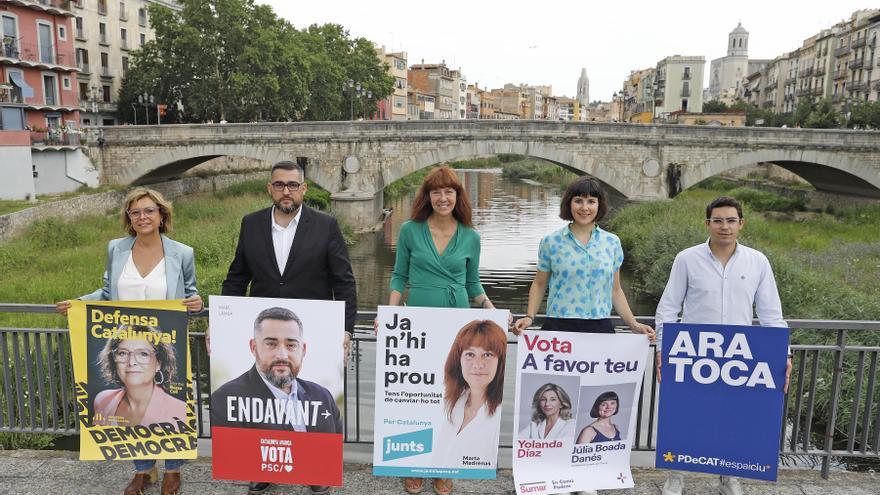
(276, 389)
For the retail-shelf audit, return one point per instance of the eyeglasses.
(148, 211)
(718, 222)
(140, 357)
(279, 186)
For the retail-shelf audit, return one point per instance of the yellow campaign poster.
(131, 365)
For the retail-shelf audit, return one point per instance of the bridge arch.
(825, 170)
(169, 164)
(565, 158)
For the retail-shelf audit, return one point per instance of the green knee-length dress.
(449, 280)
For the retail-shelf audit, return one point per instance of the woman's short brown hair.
(564, 402)
(165, 354)
(439, 178)
(583, 186)
(480, 333)
(145, 192)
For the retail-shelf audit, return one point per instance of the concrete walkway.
(30, 472)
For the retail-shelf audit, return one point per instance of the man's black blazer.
(318, 266)
(250, 384)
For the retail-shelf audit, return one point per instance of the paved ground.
(27, 472)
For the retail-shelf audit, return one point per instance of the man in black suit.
(278, 348)
(292, 251)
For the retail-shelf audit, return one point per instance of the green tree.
(236, 61)
(714, 106)
(865, 115)
(823, 116)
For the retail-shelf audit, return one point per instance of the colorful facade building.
(40, 150)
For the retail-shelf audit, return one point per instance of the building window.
(124, 66)
(143, 39)
(102, 7)
(83, 91)
(50, 90)
(105, 93)
(65, 82)
(62, 33)
(102, 33)
(82, 59)
(9, 35)
(80, 32)
(53, 120)
(123, 15)
(142, 17)
(123, 35)
(46, 43)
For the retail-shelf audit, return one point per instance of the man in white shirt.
(719, 282)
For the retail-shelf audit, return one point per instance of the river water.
(511, 216)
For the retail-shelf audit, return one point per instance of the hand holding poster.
(439, 387)
(576, 397)
(276, 378)
(721, 398)
(133, 384)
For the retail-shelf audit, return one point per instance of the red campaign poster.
(279, 456)
(276, 387)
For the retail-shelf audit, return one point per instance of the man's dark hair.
(583, 186)
(288, 165)
(723, 201)
(280, 314)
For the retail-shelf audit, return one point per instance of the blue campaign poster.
(721, 397)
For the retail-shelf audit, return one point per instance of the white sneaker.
(729, 486)
(674, 484)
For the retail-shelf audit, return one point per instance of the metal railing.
(832, 408)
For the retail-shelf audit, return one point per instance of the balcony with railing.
(660, 76)
(857, 63)
(790, 81)
(59, 7)
(820, 71)
(123, 15)
(80, 34)
(31, 55)
(838, 74)
(102, 39)
(803, 92)
(106, 72)
(124, 44)
(767, 104)
(817, 91)
(858, 43)
(771, 85)
(55, 137)
(856, 86)
(807, 72)
(843, 50)
(84, 67)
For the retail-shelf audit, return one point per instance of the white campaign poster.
(439, 387)
(276, 387)
(576, 403)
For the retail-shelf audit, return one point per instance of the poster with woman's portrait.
(131, 364)
(575, 395)
(439, 388)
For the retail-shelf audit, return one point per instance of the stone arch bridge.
(356, 160)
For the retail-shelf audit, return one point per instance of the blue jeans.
(170, 464)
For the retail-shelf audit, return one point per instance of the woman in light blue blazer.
(143, 266)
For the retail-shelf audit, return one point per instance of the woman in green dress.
(438, 257)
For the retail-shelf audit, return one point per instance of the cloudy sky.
(549, 41)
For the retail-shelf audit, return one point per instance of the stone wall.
(13, 223)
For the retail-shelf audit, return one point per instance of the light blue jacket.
(180, 269)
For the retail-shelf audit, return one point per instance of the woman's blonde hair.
(145, 192)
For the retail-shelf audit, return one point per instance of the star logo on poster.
(668, 457)
(326, 413)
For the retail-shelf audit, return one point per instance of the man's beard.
(277, 380)
(287, 210)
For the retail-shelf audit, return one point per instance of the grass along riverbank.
(54, 260)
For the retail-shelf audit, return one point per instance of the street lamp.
(351, 88)
(146, 101)
(134, 109)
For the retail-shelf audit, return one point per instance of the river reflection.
(511, 216)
